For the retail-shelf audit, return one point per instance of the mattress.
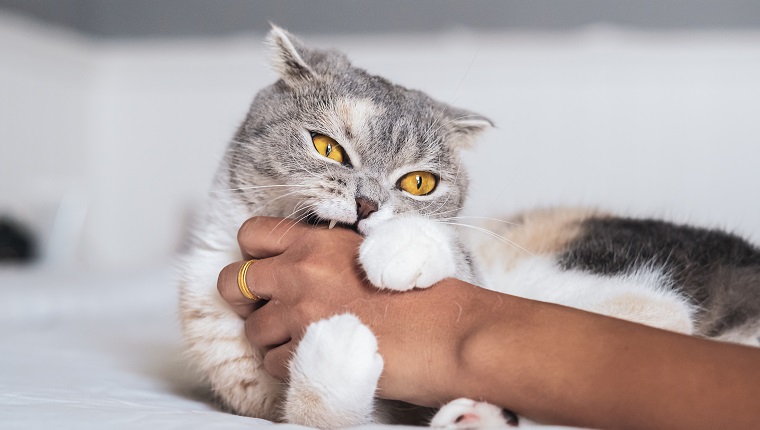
(101, 350)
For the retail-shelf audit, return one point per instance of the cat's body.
(697, 281)
(330, 142)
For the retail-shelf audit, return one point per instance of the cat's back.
(716, 273)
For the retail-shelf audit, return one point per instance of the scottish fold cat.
(330, 142)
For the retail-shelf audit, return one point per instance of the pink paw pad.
(466, 414)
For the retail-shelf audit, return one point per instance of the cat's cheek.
(339, 210)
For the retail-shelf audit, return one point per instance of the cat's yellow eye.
(328, 147)
(418, 183)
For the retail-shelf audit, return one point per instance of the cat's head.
(343, 145)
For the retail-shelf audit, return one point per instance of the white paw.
(466, 414)
(408, 252)
(334, 374)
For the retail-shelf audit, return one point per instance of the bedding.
(101, 350)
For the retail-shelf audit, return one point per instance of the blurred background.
(114, 113)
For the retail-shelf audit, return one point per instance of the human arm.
(544, 361)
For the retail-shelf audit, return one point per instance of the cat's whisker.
(261, 208)
(301, 218)
(435, 214)
(490, 233)
(284, 195)
(299, 166)
(258, 187)
(303, 211)
(481, 217)
(298, 207)
(295, 221)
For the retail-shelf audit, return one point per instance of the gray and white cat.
(332, 143)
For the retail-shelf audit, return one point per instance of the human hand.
(307, 273)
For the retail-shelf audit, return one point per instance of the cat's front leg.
(412, 251)
(216, 341)
(334, 374)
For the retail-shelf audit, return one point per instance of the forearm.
(561, 365)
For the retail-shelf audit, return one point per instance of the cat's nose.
(365, 207)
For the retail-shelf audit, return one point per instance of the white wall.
(647, 123)
(46, 80)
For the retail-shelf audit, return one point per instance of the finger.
(229, 288)
(277, 360)
(262, 237)
(265, 328)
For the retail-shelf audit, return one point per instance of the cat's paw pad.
(338, 357)
(408, 252)
(466, 414)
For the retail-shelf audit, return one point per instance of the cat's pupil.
(419, 181)
(328, 150)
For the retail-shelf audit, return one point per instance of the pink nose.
(365, 207)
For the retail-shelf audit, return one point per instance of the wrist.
(426, 330)
(483, 322)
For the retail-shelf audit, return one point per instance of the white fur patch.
(357, 114)
(334, 374)
(747, 334)
(644, 296)
(342, 210)
(408, 252)
(384, 214)
(352, 116)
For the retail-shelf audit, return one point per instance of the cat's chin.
(367, 225)
(363, 227)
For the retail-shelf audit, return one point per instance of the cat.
(329, 142)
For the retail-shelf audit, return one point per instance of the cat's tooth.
(332, 223)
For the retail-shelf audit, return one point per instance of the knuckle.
(318, 266)
(274, 364)
(247, 228)
(307, 312)
(227, 274)
(312, 260)
(251, 333)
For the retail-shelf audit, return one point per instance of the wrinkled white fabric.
(96, 351)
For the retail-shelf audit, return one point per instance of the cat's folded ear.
(465, 126)
(287, 57)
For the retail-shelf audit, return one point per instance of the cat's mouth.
(314, 219)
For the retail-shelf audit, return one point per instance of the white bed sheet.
(95, 351)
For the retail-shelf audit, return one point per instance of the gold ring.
(243, 285)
